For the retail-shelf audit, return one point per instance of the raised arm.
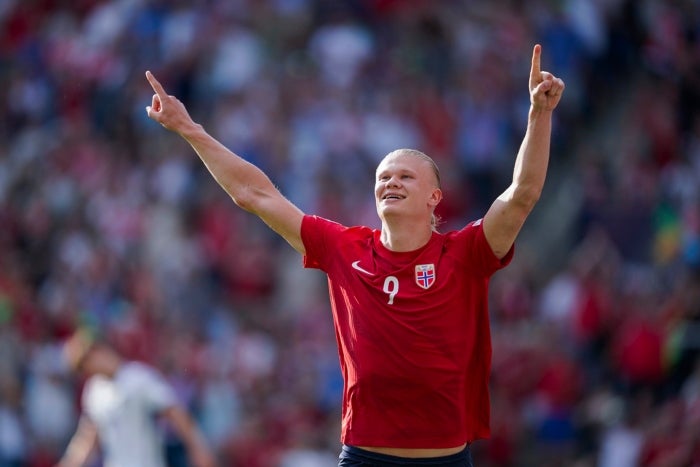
(507, 214)
(245, 183)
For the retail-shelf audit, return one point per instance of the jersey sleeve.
(320, 237)
(477, 252)
(155, 391)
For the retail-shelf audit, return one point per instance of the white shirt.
(124, 410)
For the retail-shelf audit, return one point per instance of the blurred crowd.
(111, 222)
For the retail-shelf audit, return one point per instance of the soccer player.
(121, 402)
(409, 304)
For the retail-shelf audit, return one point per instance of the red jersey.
(413, 333)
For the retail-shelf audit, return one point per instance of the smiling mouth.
(392, 196)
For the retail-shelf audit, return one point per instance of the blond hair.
(420, 155)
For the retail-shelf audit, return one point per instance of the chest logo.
(425, 275)
(356, 265)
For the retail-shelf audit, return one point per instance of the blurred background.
(109, 221)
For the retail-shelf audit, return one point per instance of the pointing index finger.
(535, 69)
(157, 87)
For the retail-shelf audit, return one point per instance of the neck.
(405, 237)
(111, 365)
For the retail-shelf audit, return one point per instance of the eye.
(405, 176)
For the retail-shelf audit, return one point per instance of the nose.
(393, 181)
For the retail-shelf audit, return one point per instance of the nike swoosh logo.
(356, 265)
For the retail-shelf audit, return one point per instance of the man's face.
(406, 185)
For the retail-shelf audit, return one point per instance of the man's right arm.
(81, 445)
(248, 186)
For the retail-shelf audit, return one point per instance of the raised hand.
(166, 109)
(545, 88)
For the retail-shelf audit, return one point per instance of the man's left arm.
(507, 214)
(197, 448)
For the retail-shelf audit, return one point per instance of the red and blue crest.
(425, 275)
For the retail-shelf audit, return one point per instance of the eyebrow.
(402, 171)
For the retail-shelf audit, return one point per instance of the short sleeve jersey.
(124, 409)
(412, 331)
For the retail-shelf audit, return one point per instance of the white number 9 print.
(391, 287)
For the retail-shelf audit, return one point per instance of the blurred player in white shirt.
(121, 402)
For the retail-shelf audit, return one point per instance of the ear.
(435, 197)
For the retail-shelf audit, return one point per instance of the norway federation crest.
(425, 275)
